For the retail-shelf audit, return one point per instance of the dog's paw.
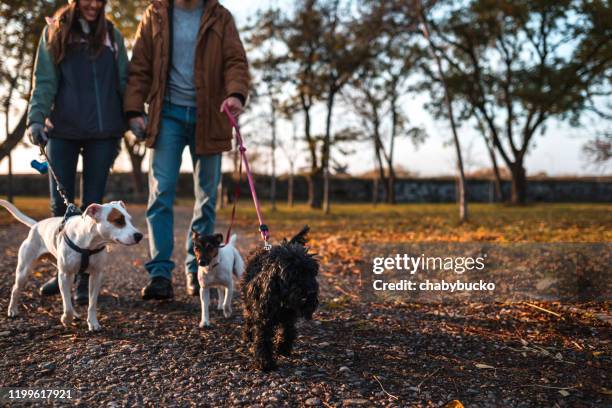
(94, 326)
(13, 312)
(284, 350)
(219, 306)
(227, 313)
(67, 319)
(204, 324)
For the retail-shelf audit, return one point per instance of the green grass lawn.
(414, 222)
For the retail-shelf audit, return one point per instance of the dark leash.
(71, 209)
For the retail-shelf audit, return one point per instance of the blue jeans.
(98, 158)
(177, 131)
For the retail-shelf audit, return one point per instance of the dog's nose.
(138, 237)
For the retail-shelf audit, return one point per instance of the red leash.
(263, 228)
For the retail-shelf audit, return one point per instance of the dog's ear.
(121, 203)
(301, 237)
(219, 238)
(94, 211)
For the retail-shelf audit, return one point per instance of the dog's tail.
(238, 267)
(232, 240)
(21, 217)
(300, 237)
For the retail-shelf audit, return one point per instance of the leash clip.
(265, 233)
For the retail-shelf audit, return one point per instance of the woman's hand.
(37, 135)
(234, 105)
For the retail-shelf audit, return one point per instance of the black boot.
(50, 288)
(158, 288)
(193, 286)
(81, 294)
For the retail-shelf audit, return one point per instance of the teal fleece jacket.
(46, 78)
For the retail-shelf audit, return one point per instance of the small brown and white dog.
(90, 233)
(217, 265)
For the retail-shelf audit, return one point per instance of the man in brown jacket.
(188, 63)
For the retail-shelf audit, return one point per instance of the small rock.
(313, 402)
(344, 369)
(355, 401)
(48, 366)
(4, 333)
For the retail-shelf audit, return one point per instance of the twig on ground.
(344, 292)
(427, 377)
(383, 388)
(542, 309)
(549, 387)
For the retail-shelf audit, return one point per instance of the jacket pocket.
(221, 130)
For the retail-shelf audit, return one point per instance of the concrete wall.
(432, 190)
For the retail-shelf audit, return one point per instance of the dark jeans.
(98, 158)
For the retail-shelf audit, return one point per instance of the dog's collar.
(85, 253)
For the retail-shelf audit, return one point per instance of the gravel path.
(353, 353)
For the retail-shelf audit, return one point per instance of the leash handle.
(263, 229)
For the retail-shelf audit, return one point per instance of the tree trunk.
(499, 194)
(381, 170)
(326, 203)
(394, 125)
(375, 191)
(519, 184)
(14, 137)
(463, 206)
(10, 157)
(315, 180)
(391, 185)
(273, 152)
(290, 189)
(325, 157)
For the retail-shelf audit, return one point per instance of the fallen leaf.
(564, 393)
(484, 366)
(454, 404)
(605, 391)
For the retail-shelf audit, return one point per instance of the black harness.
(85, 253)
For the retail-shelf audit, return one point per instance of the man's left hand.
(234, 105)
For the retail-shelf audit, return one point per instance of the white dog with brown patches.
(217, 265)
(79, 245)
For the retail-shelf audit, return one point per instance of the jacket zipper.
(97, 92)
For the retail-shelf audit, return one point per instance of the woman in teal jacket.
(76, 105)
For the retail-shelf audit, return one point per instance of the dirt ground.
(354, 352)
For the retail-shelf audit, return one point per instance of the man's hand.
(234, 105)
(38, 136)
(138, 127)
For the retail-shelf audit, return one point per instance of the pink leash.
(263, 228)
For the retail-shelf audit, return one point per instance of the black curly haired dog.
(278, 287)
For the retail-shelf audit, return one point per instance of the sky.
(557, 153)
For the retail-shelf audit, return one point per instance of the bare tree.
(422, 16)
